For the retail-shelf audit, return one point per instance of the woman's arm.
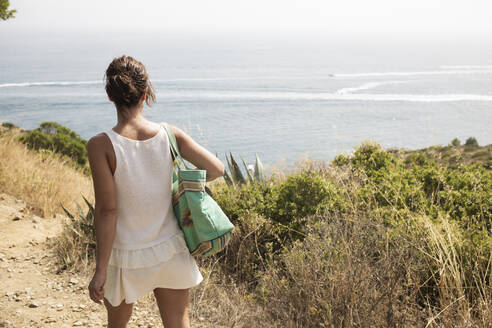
(105, 208)
(198, 155)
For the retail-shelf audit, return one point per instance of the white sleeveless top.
(147, 232)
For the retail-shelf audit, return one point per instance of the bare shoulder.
(177, 131)
(99, 142)
(182, 138)
(197, 154)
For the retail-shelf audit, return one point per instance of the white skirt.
(132, 274)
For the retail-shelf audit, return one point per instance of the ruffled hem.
(149, 256)
(179, 272)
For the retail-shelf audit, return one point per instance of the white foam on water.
(365, 86)
(246, 78)
(415, 73)
(35, 84)
(445, 70)
(329, 96)
(198, 79)
(466, 67)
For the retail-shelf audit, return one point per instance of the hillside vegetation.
(455, 153)
(376, 238)
(44, 179)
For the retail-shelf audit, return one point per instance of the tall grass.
(355, 271)
(42, 179)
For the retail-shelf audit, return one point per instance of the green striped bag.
(206, 228)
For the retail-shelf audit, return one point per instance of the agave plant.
(236, 177)
(82, 224)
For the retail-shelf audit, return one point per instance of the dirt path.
(32, 293)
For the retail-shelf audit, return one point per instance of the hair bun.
(126, 81)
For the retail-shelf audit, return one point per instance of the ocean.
(281, 98)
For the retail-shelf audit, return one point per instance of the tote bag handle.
(174, 145)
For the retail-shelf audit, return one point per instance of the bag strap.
(174, 144)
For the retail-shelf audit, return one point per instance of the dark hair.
(126, 81)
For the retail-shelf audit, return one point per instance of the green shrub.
(454, 161)
(373, 160)
(340, 160)
(237, 201)
(419, 159)
(423, 186)
(471, 141)
(284, 203)
(456, 142)
(53, 136)
(9, 125)
(298, 196)
(467, 196)
(471, 144)
(446, 150)
(481, 154)
(430, 178)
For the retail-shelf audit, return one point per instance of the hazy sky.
(417, 18)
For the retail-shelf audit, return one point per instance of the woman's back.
(143, 186)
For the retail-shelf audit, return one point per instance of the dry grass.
(342, 276)
(352, 271)
(43, 180)
(219, 301)
(465, 294)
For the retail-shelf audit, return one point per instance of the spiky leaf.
(259, 172)
(91, 207)
(81, 212)
(228, 179)
(229, 176)
(250, 176)
(236, 172)
(70, 215)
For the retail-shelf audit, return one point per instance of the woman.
(140, 247)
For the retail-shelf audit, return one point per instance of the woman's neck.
(131, 116)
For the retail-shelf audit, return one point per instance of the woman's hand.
(96, 290)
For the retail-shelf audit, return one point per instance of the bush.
(373, 160)
(238, 201)
(298, 196)
(53, 136)
(252, 241)
(280, 205)
(467, 196)
(76, 245)
(9, 125)
(424, 186)
(456, 142)
(346, 273)
(481, 154)
(417, 159)
(354, 271)
(471, 141)
(471, 144)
